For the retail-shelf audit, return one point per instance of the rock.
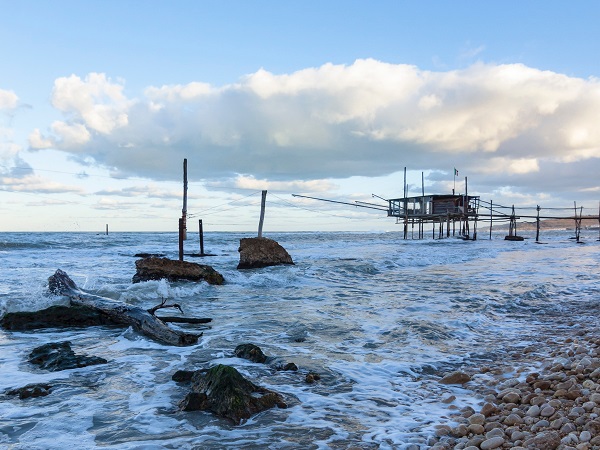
(455, 378)
(158, 268)
(31, 391)
(55, 317)
(311, 377)
(548, 440)
(288, 367)
(183, 376)
(251, 352)
(59, 356)
(491, 443)
(225, 392)
(262, 252)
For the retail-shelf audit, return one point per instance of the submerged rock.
(55, 317)
(59, 356)
(158, 268)
(251, 352)
(31, 391)
(262, 252)
(225, 392)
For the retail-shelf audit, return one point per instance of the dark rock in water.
(148, 255)
(288, 367)
(55, 317)
(251, 352)
(228, 394)
(312, 377)
(183, 376)
(262, 252)
(31, 391)
(159, 268)
(59, 356)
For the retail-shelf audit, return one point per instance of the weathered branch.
(140, 319)
(175, 319)
(163, 304)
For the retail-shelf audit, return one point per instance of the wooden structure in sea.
(447, 213)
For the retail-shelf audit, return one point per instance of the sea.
(380, 319)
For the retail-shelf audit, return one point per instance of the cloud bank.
(504, 124)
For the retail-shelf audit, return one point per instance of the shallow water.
(379, 318)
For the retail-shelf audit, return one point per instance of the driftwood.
(140, 319)
(177, 319)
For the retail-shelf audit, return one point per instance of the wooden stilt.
(537, 225)
(180, 239)
(184, 209)
(262, 213)
(201, 233)
(491, 217)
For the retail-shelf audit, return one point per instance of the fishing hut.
(459, 214)
(448, 214)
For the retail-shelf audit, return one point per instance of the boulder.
(251, 352)
(59, 356)
(158, 268)
(225, 392)
(262, 252)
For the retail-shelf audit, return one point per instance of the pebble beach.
(555, 406)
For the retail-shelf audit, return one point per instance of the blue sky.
(100, 101)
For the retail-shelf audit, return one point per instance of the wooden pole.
(201, 232)
(180, 239)
(537, 225)
(262, 213)
(107, 229)
(576, 223)
(184, 209)
(405, 208)
(491, 217)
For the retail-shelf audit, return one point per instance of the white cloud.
(8, 99)
(368, 119)
(95, 101)
(35, 184)
(250, 183)
(37, 141)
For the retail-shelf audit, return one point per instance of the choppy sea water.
(379, 318)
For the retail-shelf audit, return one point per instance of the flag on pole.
(455, 172)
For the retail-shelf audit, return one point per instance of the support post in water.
(107, 229)
(184, 209)
(201, 232)
(180, 239)
(262, 213)
(537, 225)
(491, 217)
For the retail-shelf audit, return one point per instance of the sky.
(101, 101)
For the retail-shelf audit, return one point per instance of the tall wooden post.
(491, 217)
(180, 239)
(201, 232)
(262, 213)
(184, 209)
(107, 229)
(405, 208)
(537, 225)
(577, 223)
